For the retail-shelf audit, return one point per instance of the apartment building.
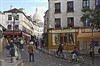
(64, 23)
(20, 26)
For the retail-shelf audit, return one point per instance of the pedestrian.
(21, 45)
(31, 49)
(60, 49)
(12, 50)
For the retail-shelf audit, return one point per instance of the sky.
(29, 5)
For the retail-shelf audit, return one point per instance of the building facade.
(21, 26)
(65, 24)
(2, 27)
(46, 27)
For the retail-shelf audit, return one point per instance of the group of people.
(74, 52)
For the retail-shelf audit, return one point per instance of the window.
(57, 22)
(87, 23)
(16, 27)
(97, 3)
(9, 26)
(57, 7)
(56, 39)
(17, 17)
(71, 38)
(70, 22)
(70, 6)
(9, 17)
(86, 3)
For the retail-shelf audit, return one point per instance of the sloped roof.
(13, 11)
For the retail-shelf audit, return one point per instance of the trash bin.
(1, 62)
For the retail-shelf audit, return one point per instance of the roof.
(13, 11)
(18, 11)
(37, 17)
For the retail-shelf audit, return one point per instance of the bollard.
(1, 62)
(13, 59)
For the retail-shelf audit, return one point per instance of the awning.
(88, 36)
(11, 33)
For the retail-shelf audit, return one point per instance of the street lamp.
(92, 44)
(14, 15)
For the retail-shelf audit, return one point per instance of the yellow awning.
(88, 36)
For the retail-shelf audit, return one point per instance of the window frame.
(9, 17)
(70, 6)
(58, 7)
(86, 4)
(57, 22)
(70, 21)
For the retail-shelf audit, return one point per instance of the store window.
(56, 39)
(71, 38)
(57, 7)
(70, 6)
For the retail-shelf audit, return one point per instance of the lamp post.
(92, 44)
(14, 14)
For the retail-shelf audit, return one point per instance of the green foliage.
(91, 14)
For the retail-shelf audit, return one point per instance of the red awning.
(11, 33)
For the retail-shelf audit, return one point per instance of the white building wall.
(2, 19)
(63, 15)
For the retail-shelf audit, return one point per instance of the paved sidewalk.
(7, 59)
(87, 58)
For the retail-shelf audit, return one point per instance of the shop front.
(9, 35)
(65, 36)
(84, 40)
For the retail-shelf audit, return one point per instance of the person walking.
(21, 45)
(31, 49)
(60, 49)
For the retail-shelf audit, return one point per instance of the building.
(46, 27)
(65, 25)
(2, 28)
(38, 24)
(20, 26)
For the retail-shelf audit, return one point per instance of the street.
(42, 59)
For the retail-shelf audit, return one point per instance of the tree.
(92, 16)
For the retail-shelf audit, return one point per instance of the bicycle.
(59, 55)
(75, 58)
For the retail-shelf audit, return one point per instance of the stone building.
(65, 25)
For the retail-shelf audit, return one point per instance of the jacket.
(30, 48)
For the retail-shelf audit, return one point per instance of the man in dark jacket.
(60, 49)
